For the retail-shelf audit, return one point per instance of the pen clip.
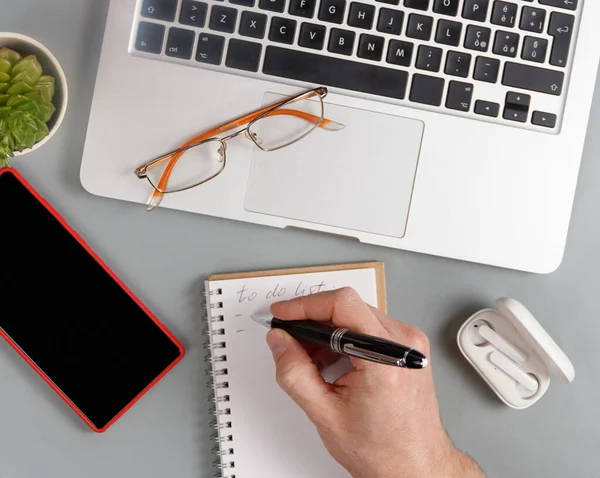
(354, 351)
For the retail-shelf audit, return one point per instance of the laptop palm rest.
(360, 178)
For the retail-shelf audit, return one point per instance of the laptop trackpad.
(360, 178)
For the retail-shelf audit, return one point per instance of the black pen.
(346, 342)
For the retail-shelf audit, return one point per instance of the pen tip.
(262, 320)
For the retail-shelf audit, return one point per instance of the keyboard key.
(150, 37)
(222, 19)
(532, 78)
(210, 49)
(535, 49)
(547, 120)
(429, 58)
(326, 70)
(427, 90)
(193, 13)
(515, 114)
(477, 38)
(568, 4)
(282, 30)
(391, 2)
(312, 36)
(272, 5)
(518, 100)
(487, 108)
(243, 55)
(506, 43)
(159, 9)
(244, 3)
(476, 10)
(180, 43)
(486, 69)
(533, 19)
(504, 14)
(448, 33)
(418, 4)
(561, 28)
(458, 64)
(370, 47)
(419, 27)
(341, 41)
(390, 21)
(253, 24)
(361, 15)
(459, 96)
(332, 11)
(446, 7)
(302, 8)
(400, 53)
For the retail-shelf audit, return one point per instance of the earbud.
(499, 342)
(512, 370)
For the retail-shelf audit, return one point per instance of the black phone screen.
(72, 319)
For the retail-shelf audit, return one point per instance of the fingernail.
(277, 340)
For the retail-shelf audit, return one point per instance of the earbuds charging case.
(513, 353)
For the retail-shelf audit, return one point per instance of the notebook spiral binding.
(225, 459)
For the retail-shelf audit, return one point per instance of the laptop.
(465, 119)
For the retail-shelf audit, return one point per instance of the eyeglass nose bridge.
(252, 136)
(222, 151)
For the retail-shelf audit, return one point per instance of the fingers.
(299, 377)
(324, 357)
(343, 307)
(321, 356)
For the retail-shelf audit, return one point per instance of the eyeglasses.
(204, 157)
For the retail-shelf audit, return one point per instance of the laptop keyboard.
(501, 61)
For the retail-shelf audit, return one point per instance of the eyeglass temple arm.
(157, 196)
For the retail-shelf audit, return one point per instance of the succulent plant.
(25, 103)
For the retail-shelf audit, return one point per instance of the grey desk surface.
(164, 257)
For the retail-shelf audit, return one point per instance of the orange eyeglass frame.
(247, 120)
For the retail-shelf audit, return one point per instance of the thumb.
(299, 376)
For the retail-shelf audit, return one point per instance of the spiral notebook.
(260, 431)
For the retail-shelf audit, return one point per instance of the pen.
(346, 342)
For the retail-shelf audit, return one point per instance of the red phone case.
(39, 371)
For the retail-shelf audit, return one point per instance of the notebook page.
(271, 436)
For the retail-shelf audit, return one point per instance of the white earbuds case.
(513, 353)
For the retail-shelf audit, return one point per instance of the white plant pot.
(28, 46)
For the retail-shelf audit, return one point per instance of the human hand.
(377, 421)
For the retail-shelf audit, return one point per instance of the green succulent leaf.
(5, 66)
(46, 90)
(29, 65)
(46, 109)
(16, 100)
(19, 88)
(25, 103)
(46, 83)
(24, 77)
(10, 55)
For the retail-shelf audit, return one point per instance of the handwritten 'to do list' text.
(281, 293)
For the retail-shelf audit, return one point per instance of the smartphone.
(69, 316)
